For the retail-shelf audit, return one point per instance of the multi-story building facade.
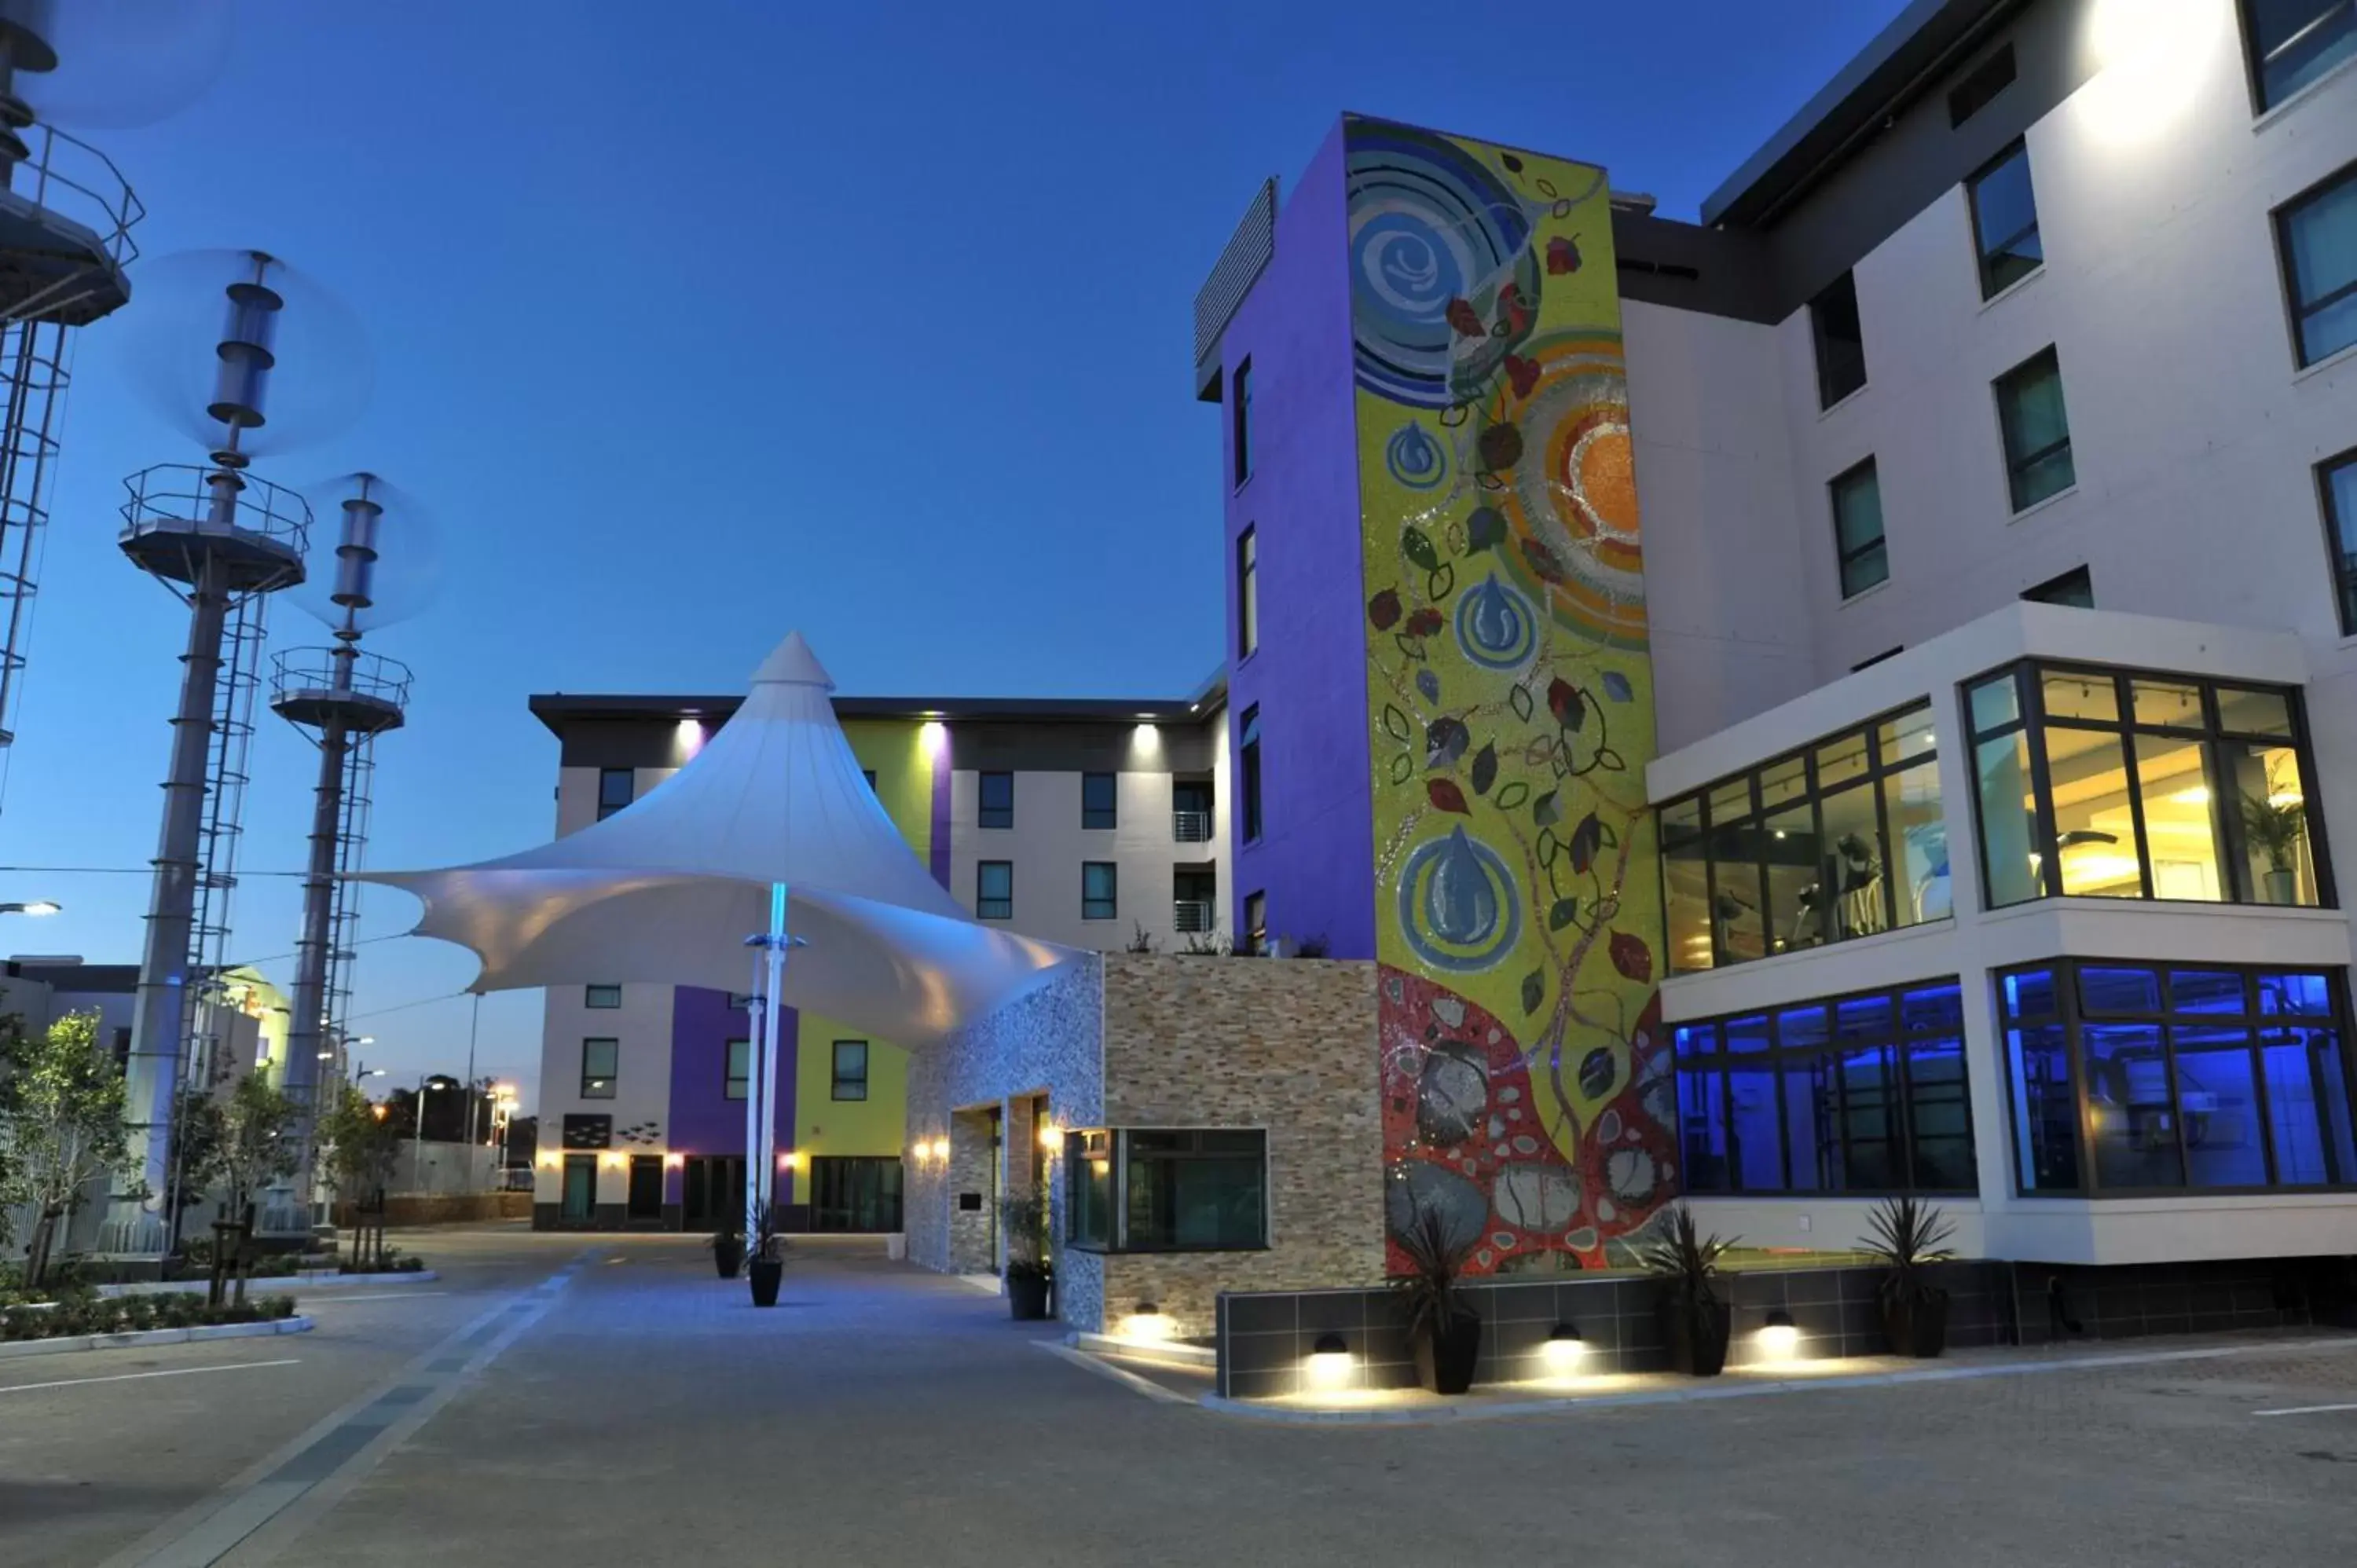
(1094, 824)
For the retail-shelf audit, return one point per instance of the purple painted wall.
(1314, 858)
(704, 1119)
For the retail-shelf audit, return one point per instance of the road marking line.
(1122, 1375)
(127, 1377)
(388, 1295)
(2306, 1410)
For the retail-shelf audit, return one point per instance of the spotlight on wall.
(1780, 1336)
(933, 737)
(1149, 1323)
(674, 1162)
(1330, 1362)
(1565, 1352)
(1051, 1137)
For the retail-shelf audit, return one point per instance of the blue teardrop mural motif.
(1414, 458)
(1495, 626)
(1457, 904)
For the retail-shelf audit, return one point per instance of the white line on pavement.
(387, 1296)
(2305, 1409)
(127, 1377)
(1122, 1375)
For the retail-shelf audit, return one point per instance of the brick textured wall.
(1287, 1044)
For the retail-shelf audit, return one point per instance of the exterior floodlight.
(1565, 1351)
(1330, 1362)
(1780, 1337)
(1148, 1323)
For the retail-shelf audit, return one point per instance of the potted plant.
(1443, 1330)
(2276, 831)
(1695, 1320)
(1907, 1237)
(1030, 1273)
(727, 1246)
(766, 1263)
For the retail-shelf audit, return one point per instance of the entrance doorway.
(855, 1192)
(645, 1205)
(712, 1192)
(580, 1205)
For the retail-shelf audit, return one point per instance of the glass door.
(580, 1189)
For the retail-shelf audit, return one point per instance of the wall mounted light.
(1780, 1336)
(613, 1162)
(932, 737)
(1565, 1352)
(1149, 1323)
(673, 1162)
(1051, 1137)
(1330, 1362)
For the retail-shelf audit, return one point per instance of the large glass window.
(1841, 345)
(2108, 783)
(2294, 42)
(1841, 839)
(2336, 483)
(1857, 530)
(1857, 1094)
(1166, 1190)
(2004, 220)
(2318, 233)
(601, 1062)
(2130, 1078)
(2037, 431)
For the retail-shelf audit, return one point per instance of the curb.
(279, 1285)
(16, 1349)
(1171, 1353)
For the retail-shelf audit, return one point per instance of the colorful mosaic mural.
(1525, 1078)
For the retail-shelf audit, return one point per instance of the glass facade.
(2094, 782)
(2130, 1078)
(1854, 1094)
(1167, 1189)
(1841, 839)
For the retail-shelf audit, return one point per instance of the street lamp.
(34, 906)
(425, 1082)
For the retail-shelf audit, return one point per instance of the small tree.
(61, 1123)
(250, 1149)
(197, 1128)
(357, 1144)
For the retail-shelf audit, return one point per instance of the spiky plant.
(1428, 1292)
(1906, 1235)
(1685, 1260)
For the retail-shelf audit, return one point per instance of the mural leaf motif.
(1446, 796)
(1418, 548)
(1500, 447)
(1402, 767)
(1563, 701)
(1395, 724)
(1547, 809)
(1486, 529)
(1441, 584)
(1631, 957)
(1564, 912)
(1411, 646)
(1534, 991)
(1595, 1073)
(1616, 687)
(1383, 609)
(1428, 684)
(1547, 847)
(1485, 767)
(1445, 741)
(1425, 622)
(1519, 699)
(1585, 839)
(1511, 795)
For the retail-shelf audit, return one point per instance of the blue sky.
(697, 324)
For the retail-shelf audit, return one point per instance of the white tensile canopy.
(770, 829)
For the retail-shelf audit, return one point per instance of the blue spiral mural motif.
(1459, 907)
(1496, 627)
(1414, 458)
(1429, 224)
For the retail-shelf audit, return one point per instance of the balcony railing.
(1191, 827)
(1195, 915)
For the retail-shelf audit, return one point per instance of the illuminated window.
(1166, 1190)
(601, 1063)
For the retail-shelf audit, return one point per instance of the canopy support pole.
(761, 1101)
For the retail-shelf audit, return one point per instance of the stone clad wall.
(1287, 1044)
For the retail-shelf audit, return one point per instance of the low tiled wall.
(2121, 1301)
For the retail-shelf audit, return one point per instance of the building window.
(2318, 235)
(994, 890)
(1190, 810)
(2337, 482)
(739, 1073)
(2294, 42)
(2004, 220)
(1176, 1190)
(601, 1063)
(616, 786)
(1855, 1094)
(869, 774)
(601, 996)
(2037, 431)
(997, 800)
(850, 1069)
(1243, 427)
(1248, 771)
(1980, 86)
(1840, 344)
(1841, 839)
(1098, 794)
(1097, 890)
(2094, 782)
(2130, 1078)
(2073, 589)
(1255, 935)
(1247, 594)
(1857, 530)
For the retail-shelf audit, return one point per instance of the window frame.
(2254, 64)
(1116, 1143)
(2295, 314)
(730, 1079)
(1240, 423)
(2036, 592)
(590, 995)
(1982, 253)
(1109, 906)
(2072, 1014)
(983, 811)
(1846, 557)
(607, 775)
(1249, 823)
(1777, 1059)
(2032, 720)
(2341, 561)
(1255, 921)
(1248, 592)
(837, 1078)
(612, 1079)
(1818, 338)
(2016, 465)
(1106, 818)
(982, 901)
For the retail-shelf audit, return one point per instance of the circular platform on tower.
(64, 231)
(365, 697)
(182, 518)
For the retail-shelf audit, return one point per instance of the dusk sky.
(697, 324)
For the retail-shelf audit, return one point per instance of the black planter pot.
(1444, 1361)
(1916, 1325)
(764, 1273)
(1696, 1333)
(1026, 1297)
(728, 1255)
